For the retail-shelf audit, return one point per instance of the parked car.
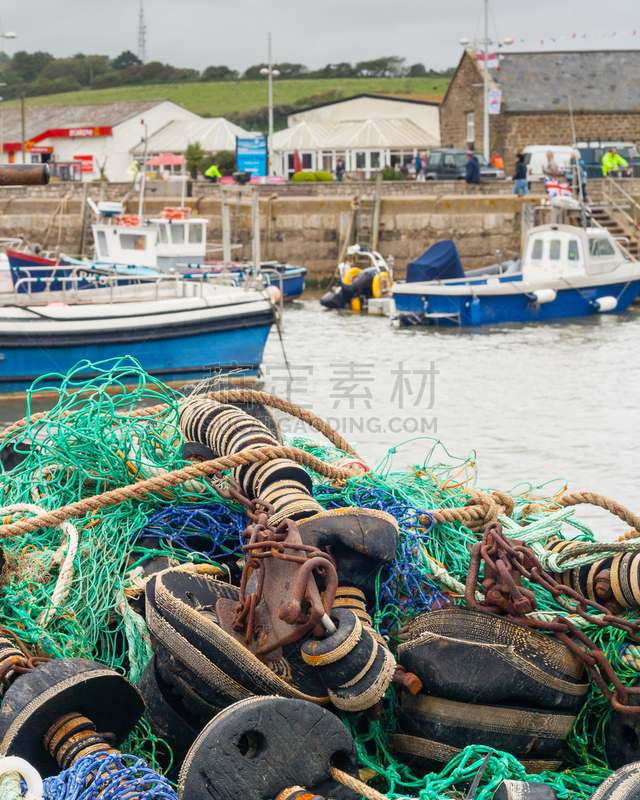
(535, 157)
(593, 151)
(450, 164)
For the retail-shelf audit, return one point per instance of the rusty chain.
(12, 666)
(302, 603)
(506, 562)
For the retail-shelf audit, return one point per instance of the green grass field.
(221, 99)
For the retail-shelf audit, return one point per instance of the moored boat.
(175, 328)
(566, 271)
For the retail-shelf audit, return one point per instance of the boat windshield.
(162, 234)
(177, 234)
(601, 247)
(195, 233)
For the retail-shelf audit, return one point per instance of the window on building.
(195, 233)
(601, 247)
(177, 234)
(103, 247)
(554, 249)
(133, 241)
(360, 160)
(574, 252)
(471, 127)
(306, 161)
(327, 162)
(375, 160)
(536, 253)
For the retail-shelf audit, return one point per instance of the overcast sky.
(198, 33)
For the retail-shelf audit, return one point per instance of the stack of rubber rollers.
(613, 581)
(354, 663)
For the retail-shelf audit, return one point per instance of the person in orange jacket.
(496, 160)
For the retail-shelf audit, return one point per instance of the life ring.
(128, 221)
(175, 212)
(380, 284)
(351, 274)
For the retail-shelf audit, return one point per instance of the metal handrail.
(610, 186)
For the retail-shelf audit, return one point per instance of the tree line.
(41, 73)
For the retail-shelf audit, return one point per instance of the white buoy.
(607, 303)
(30, 774)
(544, 295)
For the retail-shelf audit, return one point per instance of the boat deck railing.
(110, 288)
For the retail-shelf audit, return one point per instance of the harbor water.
(529, 403)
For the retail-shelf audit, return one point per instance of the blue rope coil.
(200, 529)
(109, 777)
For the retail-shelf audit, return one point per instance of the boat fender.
(624, 783)
(544, 296)
(30, 774)
(474, 311)
(604, 304)
(521, 790)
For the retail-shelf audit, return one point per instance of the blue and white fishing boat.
(177, 329)
(565, 271)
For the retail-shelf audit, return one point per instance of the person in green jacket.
(213, 173)
(612, 162)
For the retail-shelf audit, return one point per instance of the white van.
(535, 157)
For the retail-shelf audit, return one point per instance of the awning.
(167, 160)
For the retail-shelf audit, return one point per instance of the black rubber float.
(40, 698)
(523, 732)
(359, 539)
(623, 784)
(622, 736)
(521, 790)
(257, 748)
(473, 656)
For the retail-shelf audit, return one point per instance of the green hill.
(228, 98)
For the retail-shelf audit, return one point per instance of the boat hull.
(184, 349)
(293, 280)
(487, 309)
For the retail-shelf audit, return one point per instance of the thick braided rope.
(358, 786)
(170, 479)
(600, 500)
(483, 508)
(223, 396)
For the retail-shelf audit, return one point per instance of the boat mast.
(485, 126)
(144, 179)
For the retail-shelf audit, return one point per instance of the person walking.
(339, 169)
(417, 163)
(472, 174)
(213, 173)
(521, 185)
(613, 162)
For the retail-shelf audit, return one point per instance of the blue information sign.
(251, 154)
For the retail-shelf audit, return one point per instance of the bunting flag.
(492, 57)
(575, 35)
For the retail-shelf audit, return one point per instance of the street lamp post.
(271, 73)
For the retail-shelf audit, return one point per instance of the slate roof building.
(95, 135)
(538, 92)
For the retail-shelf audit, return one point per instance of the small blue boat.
(565, 271)
(177, 329)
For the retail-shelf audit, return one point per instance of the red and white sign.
(67, 133)
(87, 162)
(38, 148)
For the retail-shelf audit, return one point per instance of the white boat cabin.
(566, 251)
(182, 240)
(165, 243)
(131, 245)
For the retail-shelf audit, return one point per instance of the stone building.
(538, 91)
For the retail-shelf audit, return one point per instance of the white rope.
(63, 584)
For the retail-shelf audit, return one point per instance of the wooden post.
(83, 217)
(24, 137)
